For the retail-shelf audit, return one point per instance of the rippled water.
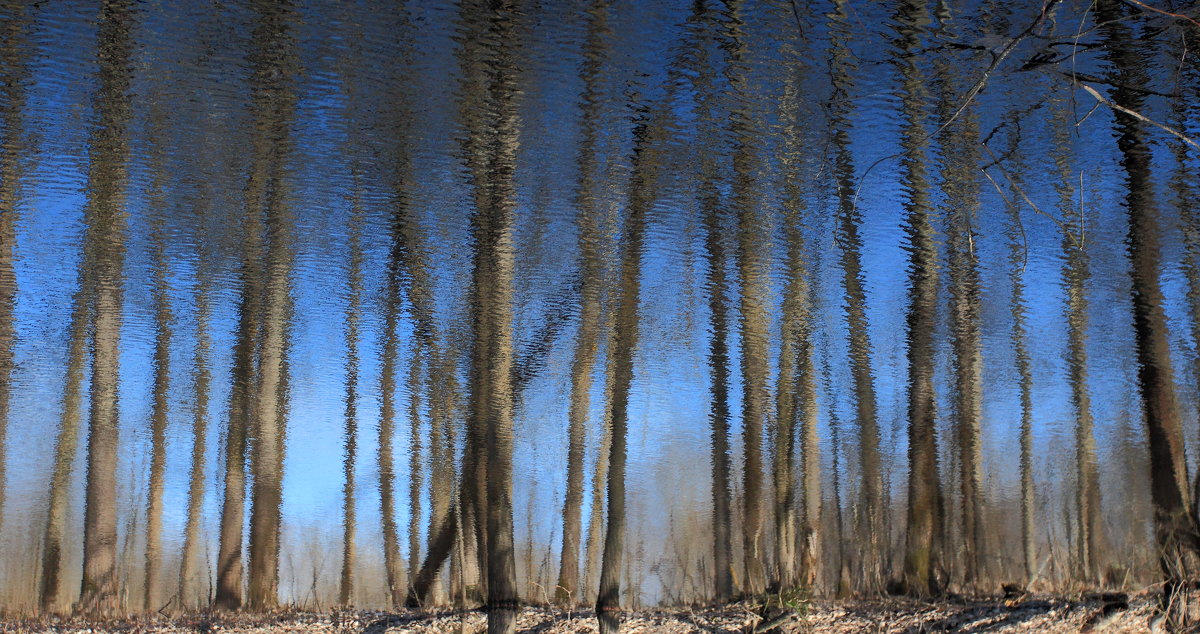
(402, 276)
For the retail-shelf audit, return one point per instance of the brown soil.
(1037, 614)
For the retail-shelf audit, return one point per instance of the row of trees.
(627, 153)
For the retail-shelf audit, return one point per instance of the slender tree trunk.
(241, 403)
(595, 534)
(474, 56)
(387, 427)
(961, 189)
(444, 409)
(272, 106)
(67, 441)
(190, 570)
(843, 585)
(797, 378)
(922, 554)
(718, 363)
(809, 532)
(1018, 309)
(105, 219)
(415, 455)
(349, 462)
(1175, 527)
(162, 374)
(625, 343)
(717, 286)
(14, 76)
(796, 387)
(591, 275)
(753, 268)
(1075, 276)
(869, 531)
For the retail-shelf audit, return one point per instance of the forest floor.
(1030, 614)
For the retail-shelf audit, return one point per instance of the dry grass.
(1037, 614)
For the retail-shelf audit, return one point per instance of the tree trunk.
(272, 106)
(190, 569)
(795, 538)
(162, 373)
(842, 587)
(390, 353)
(349, 462)
(415, 477)
(241, 400)
(753, 268)
(1187, 202)
(492, 297)
(713, 220)
(922, 554)
(105, 221)
(591, 276)
(495, 287)
(14, 75)
(595, 532)
(961, 190)
(67, 441)
(1075, 276)
(1018, 309)
(718, 363)
(1175, 527)
(870, 532)
(624, 347)
(444, 411)
(387, 423)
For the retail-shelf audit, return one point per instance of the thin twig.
(1089, 113)
(1157, 10)
(1028, 201)
(1139, 116)
(1082, 215)
(975, 89)
(1020, 226)
(1074, 51)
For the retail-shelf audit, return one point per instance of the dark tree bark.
(1175, 527)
